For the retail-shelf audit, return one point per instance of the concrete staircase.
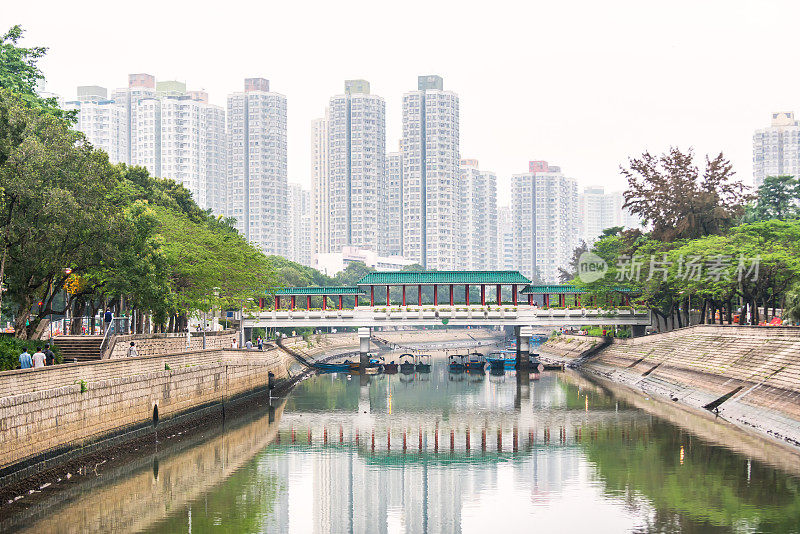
(81, 348)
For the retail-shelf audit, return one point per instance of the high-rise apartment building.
(320, 187)
(357, 172)
(257, 169)
(139, 86)
(298, 202)
(431, 174)
(478, 217)
(599, 211)
(393, 226)
(183, 139)
(776, 149)
(102, 121)
(544, 219)
(505, 240)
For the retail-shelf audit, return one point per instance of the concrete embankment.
(750, 376)
(53, 414)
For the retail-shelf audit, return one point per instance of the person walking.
(25, 361)
(132, 352)
(50, 356)
(260, 343)
(107, 318)
(248, 344)
(39, 359)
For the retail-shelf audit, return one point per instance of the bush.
(11, 348)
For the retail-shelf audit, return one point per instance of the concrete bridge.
(413, 299)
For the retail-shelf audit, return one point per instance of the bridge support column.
(526, 360)
(363, 340)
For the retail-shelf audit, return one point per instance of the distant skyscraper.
(505, 240)
(545, 220)
(139, 86)
(357, 151)
(478, 217)
(599, 211)
(298, 247)
(184, 140)
(257, 170)
(320, 186)
(431, 174)
(776, 149)
(102, 121)
(393, 226)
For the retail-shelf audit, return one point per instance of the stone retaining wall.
(50, 411)
(160, 344)
(758, 366)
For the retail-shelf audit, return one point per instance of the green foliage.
(776, 199)
(19, 73)
(84, 386)
(11, 348)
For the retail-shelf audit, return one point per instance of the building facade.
(102, 121)
(320, 186)
(257, 167)
(431, 174)
(544, 220)
(776, 149)
(357, 171)
(505, 240)
(299, 224)
(478, 217)
(393, 226)
(140, 86)
(599, 211)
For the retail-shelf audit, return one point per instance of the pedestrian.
(108, 317)
(50, 356)
(249, 345)
(234, 345)
(25, 361)
(132, 352)
(260, 343)
(39, 359)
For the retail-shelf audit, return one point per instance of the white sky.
(581, 84)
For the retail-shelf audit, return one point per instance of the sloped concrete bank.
(749, 376)
(51, 415)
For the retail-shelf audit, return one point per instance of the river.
(436, 452)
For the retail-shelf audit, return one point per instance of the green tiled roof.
(563, 289)
(443, 277)
(316, 290)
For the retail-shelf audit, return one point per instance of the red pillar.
(530, 299)
(419, 294)
(483, 295)
(466, 294)
(341, 301)
(388, 302)
(451, 294)
(514, 294)
(291, 303)
(372, 295)
(404, 295)
(499, 296)
(547, 300)
(277, 302)
(261, 303)
(435, 295)
(577, 300)
(308, 302)
(324, 302)
(356, 301)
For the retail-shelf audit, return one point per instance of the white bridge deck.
(521, 315)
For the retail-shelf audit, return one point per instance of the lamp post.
(67, 272)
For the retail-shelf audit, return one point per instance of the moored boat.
(423, 364)
(475, 361)
(333, 367)
(390, 368)
(456, 362)
(407, 364)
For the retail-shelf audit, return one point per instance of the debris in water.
(68, 476)
(18, 497)
(43, 486)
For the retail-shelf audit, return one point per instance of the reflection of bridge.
(541, 305)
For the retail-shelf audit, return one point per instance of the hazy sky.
(582, 85)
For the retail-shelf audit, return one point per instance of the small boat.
(423, 363)
(390, 368)
(476, 361)
(501, 360)
(332, 367)
(407, 364)
(456, 363)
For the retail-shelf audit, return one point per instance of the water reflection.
(442, 452)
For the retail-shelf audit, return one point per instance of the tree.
(776, 199)
(565, 275)
(669, 192)
(20, 74)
